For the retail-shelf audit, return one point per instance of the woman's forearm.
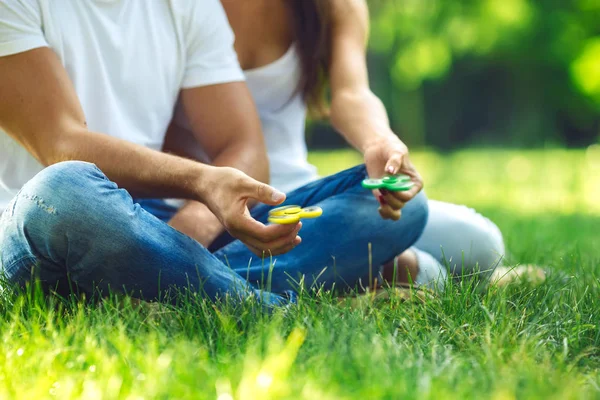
(360, 117)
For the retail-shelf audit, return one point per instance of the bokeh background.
(498, 100)
(464, 73)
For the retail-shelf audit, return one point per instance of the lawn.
(518, 342)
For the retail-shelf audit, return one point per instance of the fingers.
(393, 202)
(264, 250)
(280, 246)
(276, 239)
(280, 242)
(394, 164)
(264, 233)
(392, 199)
(411, 193)
(263, 192)
(274, 252)
(388, 212)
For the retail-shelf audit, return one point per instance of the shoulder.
(20, 26)
(195, 11)
(200, 19)
(20, 9)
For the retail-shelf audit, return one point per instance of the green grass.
(512, 343)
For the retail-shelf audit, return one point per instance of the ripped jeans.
(70, 227)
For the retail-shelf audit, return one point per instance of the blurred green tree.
(517, 73)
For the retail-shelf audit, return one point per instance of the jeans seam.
(34, 260)
(12, 205)
(102, 174)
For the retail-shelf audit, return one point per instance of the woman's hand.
(390, 156)
(226, 192)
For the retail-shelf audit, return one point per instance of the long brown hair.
(312, 21)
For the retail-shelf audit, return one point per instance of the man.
(97, 80)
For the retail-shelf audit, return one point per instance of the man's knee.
(57, 191)
(63, 176)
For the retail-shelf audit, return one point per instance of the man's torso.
(125, 59)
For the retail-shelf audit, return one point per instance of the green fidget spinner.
(395, 183)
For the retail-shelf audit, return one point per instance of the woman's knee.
(483, 248)
(467, 242)
(487, 248)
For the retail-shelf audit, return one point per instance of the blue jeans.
(71, 227)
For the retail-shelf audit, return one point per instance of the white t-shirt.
(127, 59)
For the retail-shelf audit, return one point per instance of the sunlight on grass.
(527, 182)
(516, 342)
(266, 379)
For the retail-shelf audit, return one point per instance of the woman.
(292, 51)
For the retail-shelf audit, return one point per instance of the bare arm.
(357, 113)
(230, 137)
(40, 109)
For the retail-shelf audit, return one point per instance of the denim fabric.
(70, 226)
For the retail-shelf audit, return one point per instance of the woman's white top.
(282, 112)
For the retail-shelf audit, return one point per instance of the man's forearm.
(40, 109)
(142, 171)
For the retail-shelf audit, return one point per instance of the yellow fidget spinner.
(287, 215)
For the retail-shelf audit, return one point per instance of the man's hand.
(226, 192)
(389, 156)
